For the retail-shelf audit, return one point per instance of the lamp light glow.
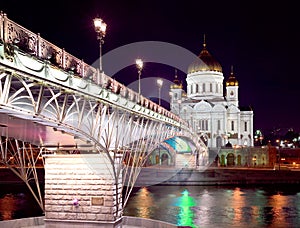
(139, 65)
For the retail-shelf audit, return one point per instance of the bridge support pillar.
(80, 191)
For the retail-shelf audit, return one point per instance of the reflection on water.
(146, 200)
(17, 202)
(210, 206)
(186, 214)
(7, 206)
(190, 206)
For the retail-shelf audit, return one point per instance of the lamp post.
(100, 28)
(139, 65)
(159, 84)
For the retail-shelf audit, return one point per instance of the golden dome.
(204, 62)
(177, 84)
(231, 81)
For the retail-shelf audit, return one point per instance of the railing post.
(1, 26)
(82, 68)
(98, 81)
(38, 44)
(5, 29)
(63, 55)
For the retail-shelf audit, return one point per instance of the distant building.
(216, 117)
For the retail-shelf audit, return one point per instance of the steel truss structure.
(61, 108)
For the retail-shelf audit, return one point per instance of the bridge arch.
(52, 101)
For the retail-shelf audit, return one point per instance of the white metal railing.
(12, 33)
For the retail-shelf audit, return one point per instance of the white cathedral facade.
(216, 116)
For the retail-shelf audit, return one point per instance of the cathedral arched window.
(245, 126)
(203, 125)
(232, 125)
(210, 87)
(203, 87)
(197, 89)
(219, 124)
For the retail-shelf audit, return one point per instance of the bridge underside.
(28, 130)
(51, 107)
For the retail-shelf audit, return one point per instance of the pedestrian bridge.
(55, 108)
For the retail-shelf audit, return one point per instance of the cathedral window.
(245, 126)
(203, 125)
(219, 124)
(203, 87)
(210, 87)
(232, 125)
(217, 88)
(197, 89)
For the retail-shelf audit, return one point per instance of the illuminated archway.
(179, 144)
(230, 159)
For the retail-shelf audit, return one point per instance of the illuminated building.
(218, 119)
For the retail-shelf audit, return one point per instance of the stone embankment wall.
(24, 222)
(232, 176)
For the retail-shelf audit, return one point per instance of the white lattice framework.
(100, 114)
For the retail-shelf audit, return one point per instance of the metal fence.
(33, 44)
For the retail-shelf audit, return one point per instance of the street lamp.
(159, 84)
(100, 28)
(139, 65)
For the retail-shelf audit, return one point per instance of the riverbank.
(217, 176)
(209, 176)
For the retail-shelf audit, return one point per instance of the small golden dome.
(231, 81)
(177, 84)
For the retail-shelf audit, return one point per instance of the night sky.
(261, 41)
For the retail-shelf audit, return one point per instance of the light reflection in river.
(7, 206)
(211, 206)
(17, 202)
(194, 206)
(186, 214)
(146, 202)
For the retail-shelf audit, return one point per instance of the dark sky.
(260, 39)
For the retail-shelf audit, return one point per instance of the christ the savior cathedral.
(216, 116)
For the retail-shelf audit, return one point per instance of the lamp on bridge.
(159, 84)
(139, 65)
(100, 28)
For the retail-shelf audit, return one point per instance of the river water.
(193, 206)
(16, 201)
(211, 206)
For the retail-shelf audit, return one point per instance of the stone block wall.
(81, 187)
